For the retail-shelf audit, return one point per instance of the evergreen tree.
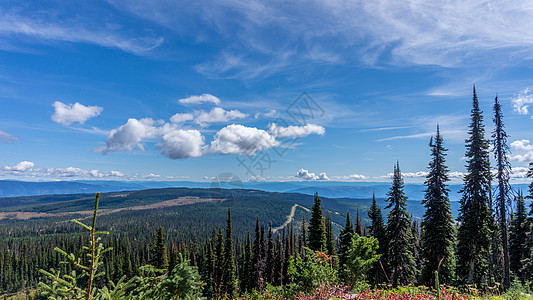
(330, 238)
(527, 270)
(400, 260)
(248, 266)
(302, 239)
(377, 230)
(502, 197)
(345, 239)
(270, 256)
(358, 224)
(518, 239)
(415, 229)
(317, 230)
(474, 233)
(277, 279)
(159, 251)
(438, 236)
(229, 279)
(258, 260)
(219, 263)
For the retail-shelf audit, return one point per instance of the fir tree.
(400, 260)
(474, 233)
(377, 230)
(258, 260)
(270, 256)
(518, 239)
(358, 224)
(219, 264)
(302, 239)
(345, 238)
(317, 230)
(527, 270)
(415, 229)
(159, 251)
(438, 236)
(229, 279)
(277, 279)
(502, 197)
(330, 238)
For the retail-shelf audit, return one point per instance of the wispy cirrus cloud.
(7, 138)
(264, 37)
(24, 27)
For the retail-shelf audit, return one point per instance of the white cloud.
(200, 99)
(350, 177)
(239, 139)
(518, 172)
(181, 143)
(131, 135)
(181, 118)
(525, 149)
(295, 131)
(28, 169)
(66, 114)
(306, 175)
(218, 114)
(152, 176)
(522, 101)
(20, 167)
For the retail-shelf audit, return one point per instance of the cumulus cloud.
(522, 101)
(306, 175)
(66, 114)
(350, 177)
(239, 139)
(525, 150)
(179, 144)
(20, 167)
(295, 131)
(29, 169)
(131, 135)
(200, 99)
(181, 118)
(218, 114)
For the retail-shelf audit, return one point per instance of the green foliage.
(88, 261)
(311, 271)
(361, 256)
(159, 257)
(183, 282)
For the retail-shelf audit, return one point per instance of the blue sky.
(186, 90)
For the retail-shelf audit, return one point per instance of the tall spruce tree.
(415, 229)
(219, 264)
(345, 240)
(317, 230)
(438, 233)
(270, 256)
(518, 239)
(330, 237)
(302, 239)
(474, 233)
(377, 230)
(229, 279)
(400, 260)
(527, 270)
(502, 197)
(359, 224)
(258, 260)
(159, 258)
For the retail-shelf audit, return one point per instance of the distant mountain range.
(331, 189)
